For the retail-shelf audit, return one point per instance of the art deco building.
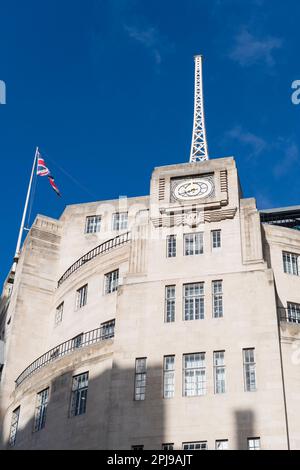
(166, 321)
(170, 320)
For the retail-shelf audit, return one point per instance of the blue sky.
(105, 89)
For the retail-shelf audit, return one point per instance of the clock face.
(193, 188)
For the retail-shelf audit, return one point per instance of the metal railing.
(289, 315)
(100, 249)
(86, 339)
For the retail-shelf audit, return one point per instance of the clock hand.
(192, 190)
(184, 190)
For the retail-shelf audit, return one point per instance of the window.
(222, 445)
(81, 297)
(54, 354)
(217, 297)
(201, 445)
(254, 443)
(194, 377)
(41, 410)
(249, 370)
(77, 341)
(193, 243)
(138, 447)
(14, 426)
(93, 224)
(290, 263)
(169, 376)
(194, 301)
(140, 378)
(79, 394)
(219, 371)
(171, 246)
(168, 446)
(111, 281)
(120, 221)
(108, 329)
(59, 313)
(293, 312)
(170, 304)
(216, 239)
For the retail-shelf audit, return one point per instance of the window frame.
(110, 326)
(77, 341)
(94, 222)
(192, 445)
(197, 300)
(217, 368)
(59, 313)
(223, 441)
(170, 304)
(248, 368)
(111, 284)
(78, 401)
(168, 377)
(40, 415)
(199, 387)
(140, 379)
(254, 439)
(291, 263)
(119, 221)
(167, 446)
(196, 247)
(216, 239)
(217, 299)
(293, 312)
(14, 426)
(171, 246)
(81, 299)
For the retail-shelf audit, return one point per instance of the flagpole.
(18, 247)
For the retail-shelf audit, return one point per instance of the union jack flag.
(43, 170)
(52, 182)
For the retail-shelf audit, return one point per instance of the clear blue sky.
(105, 88)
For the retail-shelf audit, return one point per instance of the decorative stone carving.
(193, 218)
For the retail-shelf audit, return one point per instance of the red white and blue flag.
(43, 170)
(52, 182)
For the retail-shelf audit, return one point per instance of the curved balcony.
(99, 250)
(80, 341)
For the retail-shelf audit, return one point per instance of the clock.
(192, 188)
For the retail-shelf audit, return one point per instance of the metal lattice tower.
(199, 150)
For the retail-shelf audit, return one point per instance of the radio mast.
(199, 151)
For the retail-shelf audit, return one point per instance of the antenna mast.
(199, 150)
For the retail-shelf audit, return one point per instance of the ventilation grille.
(223, 181)
(161, 189)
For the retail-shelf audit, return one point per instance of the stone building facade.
(164, 321)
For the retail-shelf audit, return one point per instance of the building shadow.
(244, 428)
(112, 420)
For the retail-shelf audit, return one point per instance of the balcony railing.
(99, 250)
(290, 314)
(86, 339)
